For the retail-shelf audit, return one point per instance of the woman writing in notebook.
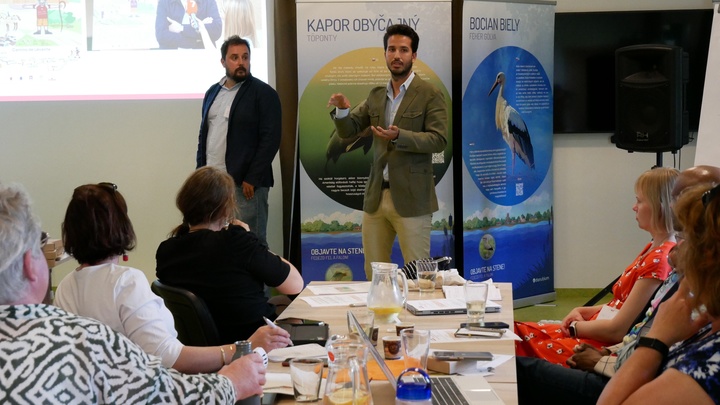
(604, 325)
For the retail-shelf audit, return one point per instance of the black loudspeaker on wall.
(650, 113)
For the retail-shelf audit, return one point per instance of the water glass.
(426, 275)
(476, 294)
(366, 319)
(306, 375)
(415, 346)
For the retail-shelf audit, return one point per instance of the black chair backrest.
(193, 321)
(605, 291)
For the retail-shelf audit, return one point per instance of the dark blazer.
(423, 121)
(254, 130)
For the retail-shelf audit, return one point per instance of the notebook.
(446, 306)
(446, 390)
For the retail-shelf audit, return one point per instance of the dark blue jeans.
(254, 212)
(539, 381)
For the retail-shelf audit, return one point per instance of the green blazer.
(423, 121)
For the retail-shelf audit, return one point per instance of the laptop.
(446, 390)
(446, 306)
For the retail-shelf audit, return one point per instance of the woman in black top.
(219, 259)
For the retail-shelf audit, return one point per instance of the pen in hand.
(273, 325)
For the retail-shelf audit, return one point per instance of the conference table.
(503, 382)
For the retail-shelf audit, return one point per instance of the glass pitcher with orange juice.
(347, 379)
(385, 297)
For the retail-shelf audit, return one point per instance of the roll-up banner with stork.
(507, 124)
(340, 50)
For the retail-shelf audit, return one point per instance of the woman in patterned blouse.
(678, 360)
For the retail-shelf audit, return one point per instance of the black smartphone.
(452, 355)
(302, 334)
(485, 325)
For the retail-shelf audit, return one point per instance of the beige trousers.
(380, 228)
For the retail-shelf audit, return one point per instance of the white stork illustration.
(513, 128)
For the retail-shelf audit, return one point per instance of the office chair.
(193, 321)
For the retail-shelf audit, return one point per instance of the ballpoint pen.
(273, 325)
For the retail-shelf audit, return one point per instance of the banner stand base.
(535, 299)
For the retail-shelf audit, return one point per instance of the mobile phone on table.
(453, 355)
(485, 325)
(477, 332)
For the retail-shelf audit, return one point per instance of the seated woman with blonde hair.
(97, 232)
(677, 361)
(216, 257)
(605, 325)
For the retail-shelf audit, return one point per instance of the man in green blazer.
(409, 120)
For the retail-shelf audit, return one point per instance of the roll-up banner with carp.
(340, 50)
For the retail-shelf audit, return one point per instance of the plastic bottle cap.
(413, 388)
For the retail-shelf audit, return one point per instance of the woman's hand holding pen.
(270, 337)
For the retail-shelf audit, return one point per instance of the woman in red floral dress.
(605, 325)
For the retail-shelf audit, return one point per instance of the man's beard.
(239, 75)
(404, 70)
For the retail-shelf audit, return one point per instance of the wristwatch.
(572, 329)
(654, 344)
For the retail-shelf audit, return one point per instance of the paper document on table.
(448, 335)
(281, 383)
(308, 350)
(278, 383)
(484, 368)
(490, 366)
(340, 288)
(458, 291)
(335, 300)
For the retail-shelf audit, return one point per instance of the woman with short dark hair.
(97, 232)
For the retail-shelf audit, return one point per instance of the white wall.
(148, 148)
(596, 235)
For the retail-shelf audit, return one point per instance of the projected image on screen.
(122, 49)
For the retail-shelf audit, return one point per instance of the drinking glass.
(475, 299)
(415, 347)
(306, 376)
(426, 275)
